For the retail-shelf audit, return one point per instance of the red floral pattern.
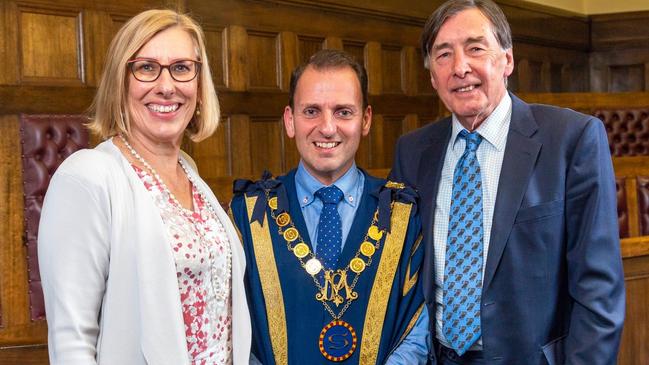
(200, 248)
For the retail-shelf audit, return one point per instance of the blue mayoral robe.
(286, 317)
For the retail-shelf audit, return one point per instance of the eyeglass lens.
(149, 70)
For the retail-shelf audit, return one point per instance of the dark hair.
(452, 7)
(330, 59)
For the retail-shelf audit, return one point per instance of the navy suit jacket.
(553, 288)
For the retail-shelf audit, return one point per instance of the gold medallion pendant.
(301, 250)
(313, 266)
(357, 265)
(334, 283)
(367, 249)
(337, 341)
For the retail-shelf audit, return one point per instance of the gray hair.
(450, 8)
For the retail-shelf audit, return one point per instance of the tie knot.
(330, 194)
(472, 139)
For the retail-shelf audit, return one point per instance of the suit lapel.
(520, 157)
(429, 172)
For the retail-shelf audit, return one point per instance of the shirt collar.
(494, 129)
(306, 185)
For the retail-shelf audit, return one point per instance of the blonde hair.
(108, 110)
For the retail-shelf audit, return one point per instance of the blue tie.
(463, 270)
(330, 231)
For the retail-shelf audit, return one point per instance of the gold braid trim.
(412, 322)
(378, 300)
(236, 228)
(270, 285)
(410, 281)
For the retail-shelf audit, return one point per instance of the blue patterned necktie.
(463, 270)
(330, 230)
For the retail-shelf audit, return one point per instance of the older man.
(333, 253)
(518, 209)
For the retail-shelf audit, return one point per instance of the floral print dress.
(201, 250)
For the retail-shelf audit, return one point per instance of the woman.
(140, 264)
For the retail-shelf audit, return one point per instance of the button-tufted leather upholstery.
(622, 209)
(46, 141)
(643, 204)
(628, 131)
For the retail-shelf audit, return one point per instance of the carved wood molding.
(619, 31)
(589, 101)
(21, 99)
(126, 8)
(354, 10)
(635, 246)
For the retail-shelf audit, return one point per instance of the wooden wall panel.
(44, 99)
(333, 43)
(620, 52)
(363, 155)
(116, 23)
(529, 76)
(383, 136)
(542, 69)
(633, 209)
(313, 18)
(308, 46)
(266, 145)
(263, 61)
(8, 43)
(619, 31)
(96, 27)
(366, 8)
(557, 76)
(24, 355)
(543, 25)
(374, 65)
(50, 47)
(392, 70)
(214, 152)
(634, 348)
(237, 60)
(424, 86)
(288, 44)
(626, 78)
(409, 65)
(240, 157)
(410, 123)
(356, 49)
(216, 55)
(589, 102)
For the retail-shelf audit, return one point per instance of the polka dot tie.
(463, 270)
(330, 231)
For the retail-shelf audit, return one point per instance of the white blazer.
(108, 274)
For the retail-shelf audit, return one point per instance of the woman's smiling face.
(161, 110)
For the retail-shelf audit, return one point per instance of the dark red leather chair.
(46, 141)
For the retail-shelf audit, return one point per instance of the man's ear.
(509, 66)
(289, 124)
(432, 77)
(367, 120)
